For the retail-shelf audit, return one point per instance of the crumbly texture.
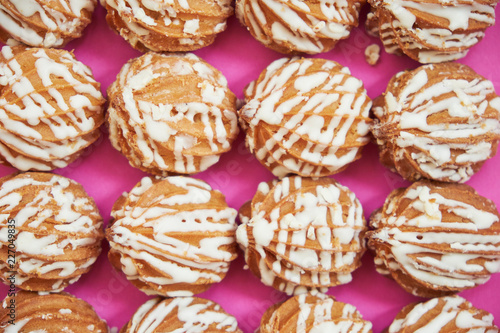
(176, 26)
(57, 312)
(300, 26)
(57, 230)
(436, 239)
(313, 313)
(50, 108)
(40, 23)
(441, 315)
(173, 236)
(372, 54)
(181, 314)
(171, 114)
(302, 234)
(430, 31)
(438, 121)
(306, 116)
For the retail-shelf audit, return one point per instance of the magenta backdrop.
(105, 174)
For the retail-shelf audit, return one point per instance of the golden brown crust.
(172, 236)
(306, 313)
(51, 313)
(438, 121)
(56, 231)
(436, 239)
(179, 26)
(303, 234)
(171, 114)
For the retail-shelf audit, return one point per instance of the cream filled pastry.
(306, 116)
(302, 234)
(173, 236)
(436, 239)
(53, 227)
(171, 114)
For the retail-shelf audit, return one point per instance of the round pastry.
(436, 239)
(173, 236)
(168, 26)
(171, 114)
(319, 313)
(441, 315)
(430, 31)
(27, 312)
(50, 231)
(306, 116)
(302, 234)
(44, 23)
(300, 26)
(50, 108)
(180, 314)
(438, 121)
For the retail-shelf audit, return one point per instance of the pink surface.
(105, 174)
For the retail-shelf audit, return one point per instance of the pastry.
(438, 121)
(299, 26)
(436, 239)
(58, 312)
(50, 108)
(302, 234)
(441, 315)
(430, 31)
(180, 314)
(173, 236)
(43, 23)
(313, 313)
(305, 116)
(50, 231)
(171, 114)
(168, 26)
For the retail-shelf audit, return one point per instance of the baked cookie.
(51, 231)
(58, 312)
(313, 313)
(299, 26)
(438, 121)
(436, 239)
(50, 108)
(171, 114)
(430, 31)
(43, 23)
(173, 236)
(180, 314)
(168, 26)
(306, 116)
(443, 315)
(302, 234)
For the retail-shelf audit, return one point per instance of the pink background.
(105, 174)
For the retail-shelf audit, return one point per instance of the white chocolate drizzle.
(306, 102)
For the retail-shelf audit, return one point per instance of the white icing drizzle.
(317, 245)
(312, 100)
(169, 25)
(42, 24)
(161, 134)
(302, 26)
(39, 128)
(443, 312)
(46, 239)
(170, 217)
(447, 39)
(444, 149)
(194, 314)
(457, 252)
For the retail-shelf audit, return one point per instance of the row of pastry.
(427, 31)
(175, 237)
(174, 114)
